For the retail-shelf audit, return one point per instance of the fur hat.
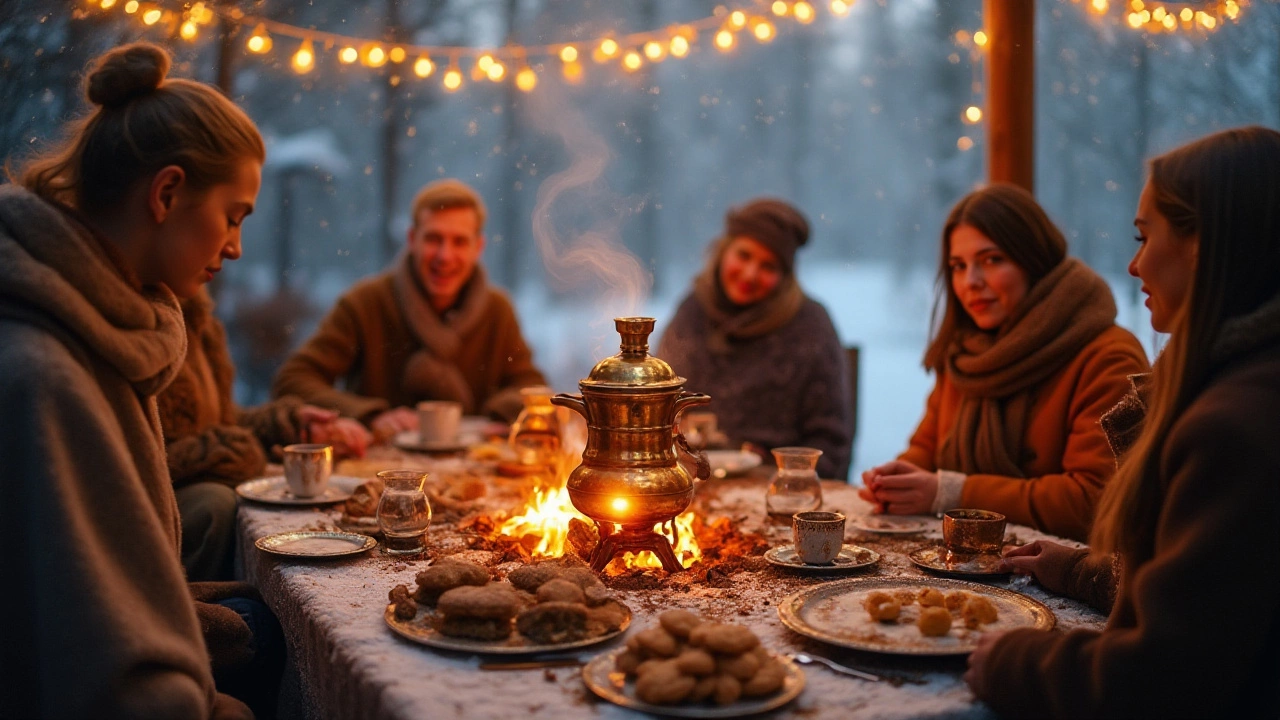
(773, 223)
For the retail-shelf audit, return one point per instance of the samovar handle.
(573, 402)
(699, 458)
(687, 400)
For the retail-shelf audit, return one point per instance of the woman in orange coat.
(1027, 357)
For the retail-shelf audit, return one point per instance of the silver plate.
(603, 680)
(729, 463)
(833, 613)
(851, 557)
(315, 544)
(937, 559)
(275, 491)
(412, 441)
(421, 631)
(891, 524)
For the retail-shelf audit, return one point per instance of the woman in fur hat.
(99, 238)
(1027, 357)
(1192, 509)
(767, 354)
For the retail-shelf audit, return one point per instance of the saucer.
(412, 440)
(891, 524)
(275, 491)
(851, 557)
(315, 544)
(730, 463)
(937, 559)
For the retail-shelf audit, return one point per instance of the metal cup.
(973, 531)
(818, 535)
(307, 467)
(438, 421)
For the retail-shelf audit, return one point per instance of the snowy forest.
(604, 191)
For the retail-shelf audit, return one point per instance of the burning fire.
(549, 512)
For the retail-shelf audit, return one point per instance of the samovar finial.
(635, 333)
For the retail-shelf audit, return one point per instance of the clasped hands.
(347, 436)
(899, 487)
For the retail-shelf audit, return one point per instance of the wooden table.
(345, 663)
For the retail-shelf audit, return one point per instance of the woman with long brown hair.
(1192, 511)
(99, 238)
(1027, 357)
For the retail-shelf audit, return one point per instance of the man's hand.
(1048, 562)
(393, 422)
(900, 488)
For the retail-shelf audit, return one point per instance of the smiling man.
(429, 328)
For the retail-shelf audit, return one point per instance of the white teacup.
(818, 536)
(307, 467)
(438, 421)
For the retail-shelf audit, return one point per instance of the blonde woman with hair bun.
(141, 205)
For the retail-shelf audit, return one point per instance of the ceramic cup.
(438, 421)
(306, 469)
(973, 531)
(818, 535)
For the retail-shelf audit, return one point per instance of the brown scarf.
(432, 373)
(734, 322)
(997, 374)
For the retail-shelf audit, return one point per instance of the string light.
(526, 79)
(655, 51)
(737, 19)
(763, 30)
(839, 8)
(423, 67)
(131, 7)
(189, 30)
(568, 54)
(632, 61)
(259, 41)
(724, 40)
(973, 114)
(496, 71)
(679, 46)
(779, 8)
(396, 54)
(452, 79)
(980, 39)
(1169, 16)
(804, 12)
(304, 60)
(372, 55)
(348, 55)
(107, 4)
(152, 16)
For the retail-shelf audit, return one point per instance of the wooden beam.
(1011, 83)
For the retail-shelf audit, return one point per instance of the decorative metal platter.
(851, 557)
(603, 680)
(891, 524)
(422, 631)
(730, 463)
(315, 544)
(275, 491)
(412, 441)
(939, 560)
(833, 613)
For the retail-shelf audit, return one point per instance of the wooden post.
(1011, 73)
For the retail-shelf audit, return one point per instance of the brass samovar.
(630, 479)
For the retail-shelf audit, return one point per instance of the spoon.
(811, 659)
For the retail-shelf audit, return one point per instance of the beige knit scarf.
(731, 322)
(432, 373)
(998, 374)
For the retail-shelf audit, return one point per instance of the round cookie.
(934, 621)
(560, 590)
(679, 622)
(482, 602)
(723, 638)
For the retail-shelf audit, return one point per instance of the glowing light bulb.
(724, 39)
(131, 7)
(423, 67)
(396, 54)
(152, 16)
(679, 46)
(496, 71)
(779, 8)
(632, 60)
(107, 4)
(1158, 15)
(840, 8)
(526, 79)
(189, 30)
(973, 114)
(1135, 20)
(804, 12)
(304, 61)
(655, 50)
(609, 47)
(260, 41)
(964, 143)
(620, 504)
(1099, 6)
(568, 54)
(981, 39)
(452, 79)
(763, 31)
(484, 62)
(1232, 9)
(375, 56)
(1170, 22)
(348, 55)
(1209, 21)
(1137, 5)
(737, 19)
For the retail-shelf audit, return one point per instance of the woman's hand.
(347, 436)
(392, 422)
(1048, 562)
(976, 674)
(900, 488)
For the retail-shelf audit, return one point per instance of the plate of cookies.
(910, 616)
(542, 607)
(685, 666)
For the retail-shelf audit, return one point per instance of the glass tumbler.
(795, 487)
(404, 514)
(535, 435)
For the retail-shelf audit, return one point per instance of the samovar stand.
(632, 538)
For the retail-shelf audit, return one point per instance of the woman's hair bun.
(127, 72)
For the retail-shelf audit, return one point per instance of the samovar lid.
(634, 367)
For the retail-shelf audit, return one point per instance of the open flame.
(548, 514)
